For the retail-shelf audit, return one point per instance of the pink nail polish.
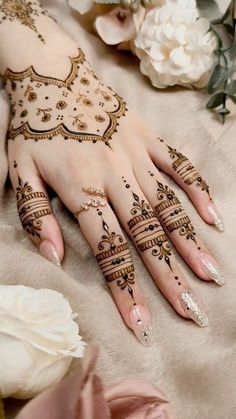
(48, 251)
(140, 323)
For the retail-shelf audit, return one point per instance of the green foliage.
(222, 85)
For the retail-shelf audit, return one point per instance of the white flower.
(175, 46)
(119, 25)
(83, 6)
(38, 339)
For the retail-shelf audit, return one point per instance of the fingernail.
(215, 217)
(211, 268)
(48, 251)
(192, 308)
(140, 323)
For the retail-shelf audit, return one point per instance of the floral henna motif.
(171, 214)
(115, 260)
(62, 105)
(32, 206)
(146, 231)
(22, 11)
(186, 170)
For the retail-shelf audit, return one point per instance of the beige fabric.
(195, 367)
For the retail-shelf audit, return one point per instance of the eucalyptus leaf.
(231, 88)
(216, 100)
(233, 98)
(208, 9)
(219, 73)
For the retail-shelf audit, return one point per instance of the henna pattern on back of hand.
(32, 206)
(78, 108)
(115, 260)
(22, 11)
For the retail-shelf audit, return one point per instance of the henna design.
(186, 170)
(32, 206)
(24, 12)
(69, 95)
(146, 230)
(171, 214)
(115, 259)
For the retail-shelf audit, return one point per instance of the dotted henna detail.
(61, 105)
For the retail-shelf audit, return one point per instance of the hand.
(75, 135)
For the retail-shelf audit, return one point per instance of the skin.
(135, 152)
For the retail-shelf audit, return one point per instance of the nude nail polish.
(140, 323)
(48, 251)
(215, 217)
(211, 268)
(193, 309)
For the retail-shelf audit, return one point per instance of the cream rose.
(38, 339)
(175, 45)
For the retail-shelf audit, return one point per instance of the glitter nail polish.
(211, 268)
(216, 218)
(193, 309)
(140, 323)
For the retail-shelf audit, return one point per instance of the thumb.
(35, 211)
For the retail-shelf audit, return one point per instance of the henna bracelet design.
(32, 206)
(60, 107)
(115, 260)
(171, 213)
(186, 170)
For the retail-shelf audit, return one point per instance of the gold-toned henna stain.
(22, 11)
(146, 230)
(71, 96)
(186, 170)
(171, 213)
(115, 260)
(32, 206)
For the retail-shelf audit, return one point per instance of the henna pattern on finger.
(115, 260)
(171, 213)
(32, 206)
(186, 170)
(24, 12)
(46, 107)
(146, 230)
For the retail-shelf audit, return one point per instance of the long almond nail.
(48, 251)
(215, 217)
(193, 309)
(211, 268)
(140, 323)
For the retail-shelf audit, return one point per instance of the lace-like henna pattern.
(147, 231)
(32, 206)
(186, 170)
(22, 11)
(171, 213)
(115, 260)
(78, 108)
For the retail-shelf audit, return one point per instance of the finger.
(186, 175)
(35, 211)
(141, 224)
(103, 233)
(177, 224)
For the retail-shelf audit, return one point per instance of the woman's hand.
(76, 135)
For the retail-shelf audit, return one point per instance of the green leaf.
(219, 73)
(208, 9)
(231, 88)
(216, 100)
(233, 98)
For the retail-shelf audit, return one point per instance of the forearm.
(28, 37)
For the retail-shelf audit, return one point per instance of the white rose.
(174, 45)
(38, 339)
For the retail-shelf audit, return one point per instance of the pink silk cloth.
(82, 396)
